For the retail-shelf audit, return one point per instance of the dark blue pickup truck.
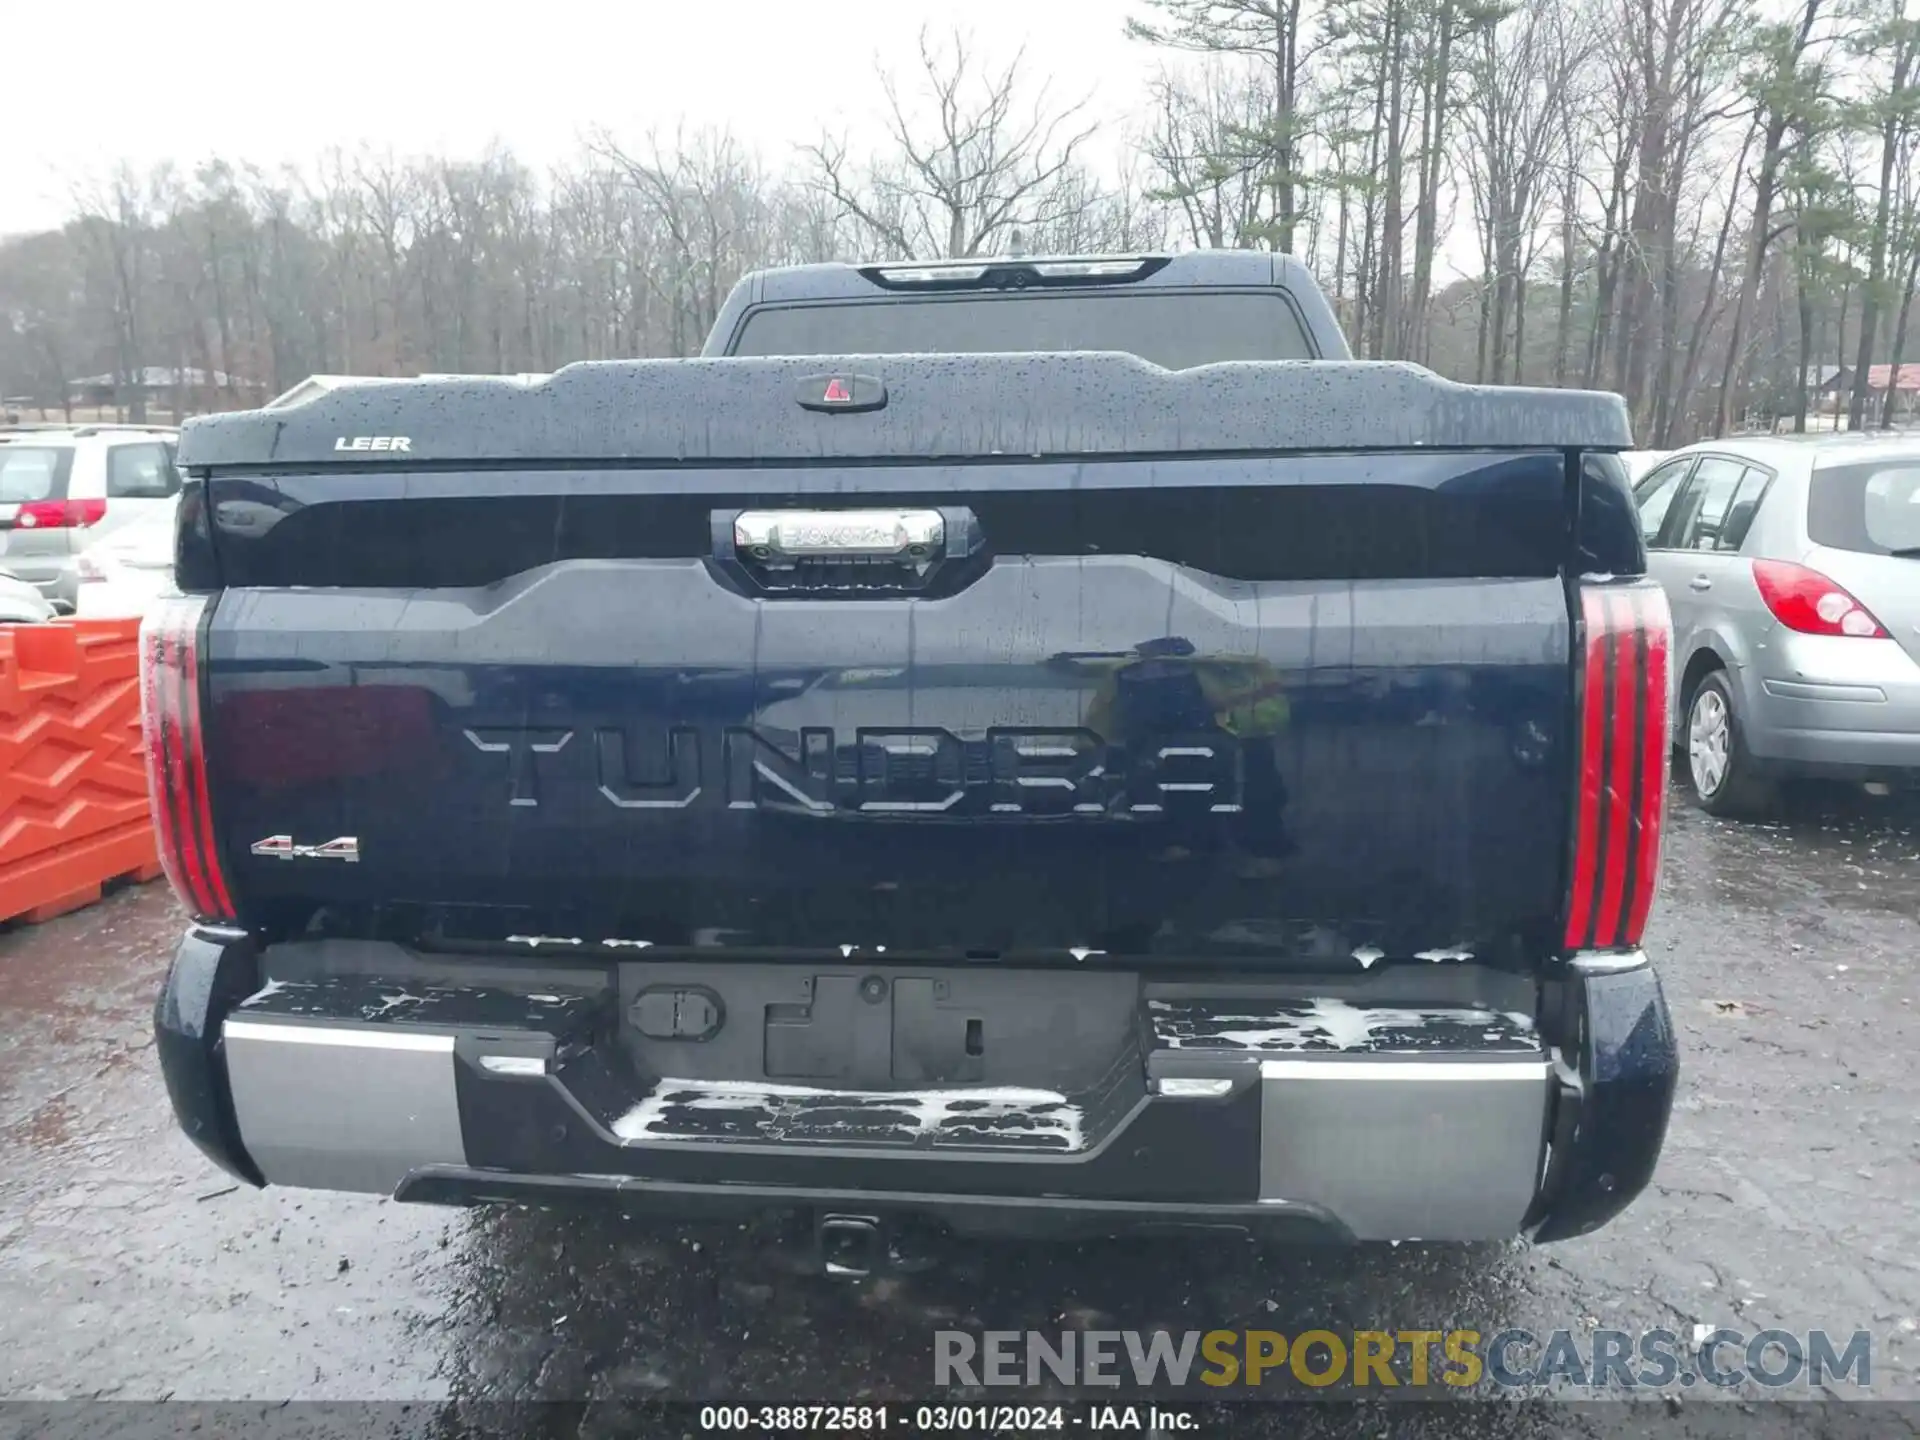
(1023, 745)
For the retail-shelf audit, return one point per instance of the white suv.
(63, 488)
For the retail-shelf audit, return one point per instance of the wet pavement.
(1786, 1198)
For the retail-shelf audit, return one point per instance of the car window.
(1873, 508)
(1709, 496)
(1640, 463)
(1746, 504)
(141, 472)
(30, 473)
(1174, 330)
(1654, 496)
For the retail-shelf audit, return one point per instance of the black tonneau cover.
(937, 407)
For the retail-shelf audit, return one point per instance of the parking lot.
(130, 1268)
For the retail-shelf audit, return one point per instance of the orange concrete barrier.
(73, 781)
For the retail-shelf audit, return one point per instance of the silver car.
(1792, 567)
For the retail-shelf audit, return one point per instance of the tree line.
(1709, 206)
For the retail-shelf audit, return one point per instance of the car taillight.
(1624, 752)
(1805, 600)
(170, 712)
(59, 514)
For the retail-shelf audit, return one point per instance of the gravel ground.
(129, 1268)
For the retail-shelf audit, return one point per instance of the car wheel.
(1719, 768)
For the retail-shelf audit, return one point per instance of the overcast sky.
(274, 82)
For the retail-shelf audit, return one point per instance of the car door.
(1655, 494)
(1735, 595)
(1699, 574)
(141, 482)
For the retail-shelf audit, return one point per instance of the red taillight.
(1807, 601)
(59, 514)
(176, 757)
(1624, 753)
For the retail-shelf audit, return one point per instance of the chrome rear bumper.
(326, 1107)
(1448, 1124)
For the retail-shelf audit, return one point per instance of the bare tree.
(972, 161)
(1269, 33)
(1897, 351)
(1784, 84)
(1616, 129)
(1679, 55)
(1577, 142)
(1208, 142)
(1721, 203)
(1712, 304)
(116, 222)
(1436, 80)
(1517, 73)
(1892, 39)
(43, 330)
(703, 195)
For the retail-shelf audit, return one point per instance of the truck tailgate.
(1290, 705)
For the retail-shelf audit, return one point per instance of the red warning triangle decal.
(837, 391)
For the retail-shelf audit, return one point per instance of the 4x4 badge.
(346, 847)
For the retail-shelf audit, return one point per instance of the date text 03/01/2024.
(945, 1418)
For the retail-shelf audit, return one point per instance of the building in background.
(1826, 383)
(1905, 386)
(163, 390)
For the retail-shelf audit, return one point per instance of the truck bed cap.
(938, 406)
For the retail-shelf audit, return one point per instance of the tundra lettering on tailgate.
(1010, 770)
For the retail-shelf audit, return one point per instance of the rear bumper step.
(1349, 1121)
(1023, 1216)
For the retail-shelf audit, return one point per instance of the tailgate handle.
(788, 537)
(871, 550)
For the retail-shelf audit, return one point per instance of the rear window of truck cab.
(1175, 329)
